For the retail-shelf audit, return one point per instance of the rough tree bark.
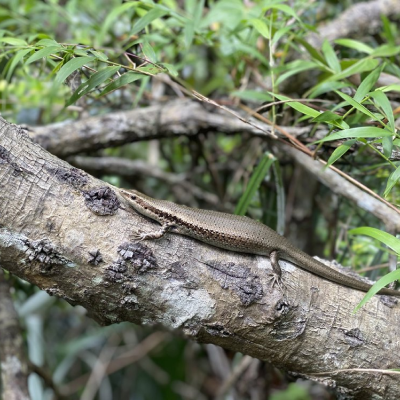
(71, 235)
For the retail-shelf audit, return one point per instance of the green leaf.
(367, 132)
(298, 106)
(357, 105)
(19, 55)
(71, 66)
(112, 16)
(281, 32)
(368, 83)
(331, 57)
(252, 51)
(151, 69)
(99, 55)
(148, 51)
(327, 116)
(46, 51)
(383, 102)
(47, 43)
(331, 118)
(284, 8)
(188, 33)
(393, 87)
(95, 80)
(255, 181)
(260, 26)
(384, 237)
(294, 68)
(340, 151)
(121, 81)
(366, 64)
(386, 50)
(192, 24)
(392, 180)
(13, 41)
(170, 68)
(142, 88)
(314, 53)
(389, 33)
(149, 17)
(252, 95)
(325, 87)
(377, 286)
(387, 144)
(355, 44)
(280, 199)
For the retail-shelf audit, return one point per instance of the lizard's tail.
(310, 264)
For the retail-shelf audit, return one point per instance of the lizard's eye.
(133, 197)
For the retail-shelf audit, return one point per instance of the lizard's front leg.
(153, 235)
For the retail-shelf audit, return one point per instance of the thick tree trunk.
(71, 235)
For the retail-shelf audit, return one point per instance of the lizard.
(235, 233)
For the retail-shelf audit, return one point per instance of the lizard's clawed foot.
(139, 235)
(275, 279)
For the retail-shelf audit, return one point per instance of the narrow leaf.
(121, 81)
(367, 132)
(294, 68)
(368, 83)
(327, 116)
(383, 102)
(148, 51)
(149, 17)
(387, 144)
(255, 181)
(386, 50)
(384, 237)
(13, 41)
(47, 43)
(112, 16)
(357, 105)
(71, 66)
(46, 51)
(392, 180)
(366, 64)
(284, 8)
(377, 286)
(298, 106)
(19, 55)
(355, 44)
(95, 80)
(260, 26)
(314, 53)
(331, 57)
(340, 151)
(324, 87)
(252, 95)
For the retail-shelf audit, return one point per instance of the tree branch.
(70, 234)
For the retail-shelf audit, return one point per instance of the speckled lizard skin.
(235, 233)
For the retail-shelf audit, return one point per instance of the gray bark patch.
(102, 201)
(6, 158)
(71, 176)
(217, 330)
(135, 255)
(95, 257)
(238, 278)
(354, 337)
(44, 253)
(138, 255)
